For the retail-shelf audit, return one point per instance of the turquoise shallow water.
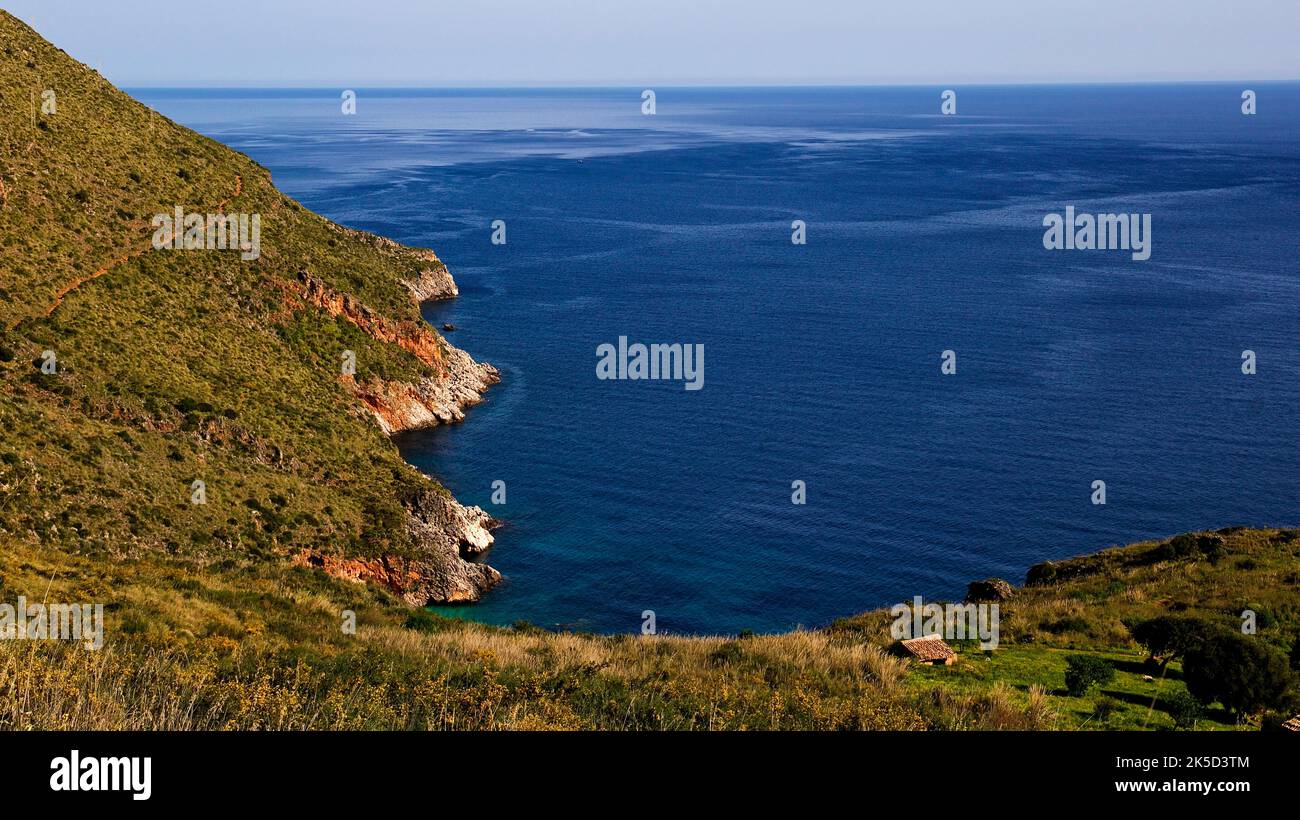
(822, 360)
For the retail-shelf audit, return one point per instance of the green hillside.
(177, 366)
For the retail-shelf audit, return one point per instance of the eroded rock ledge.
(400, 406)
(446, 533)
(432, 283)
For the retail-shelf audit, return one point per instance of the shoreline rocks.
(401, 406)
(449, 534)
(990, 590)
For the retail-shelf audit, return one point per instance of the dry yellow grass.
(190, 646)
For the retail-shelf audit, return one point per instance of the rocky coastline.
(448, 535)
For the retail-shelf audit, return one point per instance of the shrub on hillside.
(1082, 672)
(1264, 616)
(1244, 674)
(1054, 572)
(1169, 637)
(727, 654)
(1104, 708)
(1187, 545)
(1069, 623)
(1183, 708)
(422, 620)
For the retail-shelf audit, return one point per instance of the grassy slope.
(262, 647)
(1043, 624)
(177, 366)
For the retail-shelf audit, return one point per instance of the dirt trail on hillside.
(76, 283)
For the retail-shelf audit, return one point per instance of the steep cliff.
(192, 403)
(448, 533)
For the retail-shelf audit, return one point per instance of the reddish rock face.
(416, 338)
(398, 406)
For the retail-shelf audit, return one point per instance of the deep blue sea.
(822, 361)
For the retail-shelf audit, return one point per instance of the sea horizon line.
(792, 86)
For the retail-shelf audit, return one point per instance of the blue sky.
(357, 43)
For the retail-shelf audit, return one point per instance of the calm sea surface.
(822, 361)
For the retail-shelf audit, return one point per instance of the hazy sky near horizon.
(348, 43)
